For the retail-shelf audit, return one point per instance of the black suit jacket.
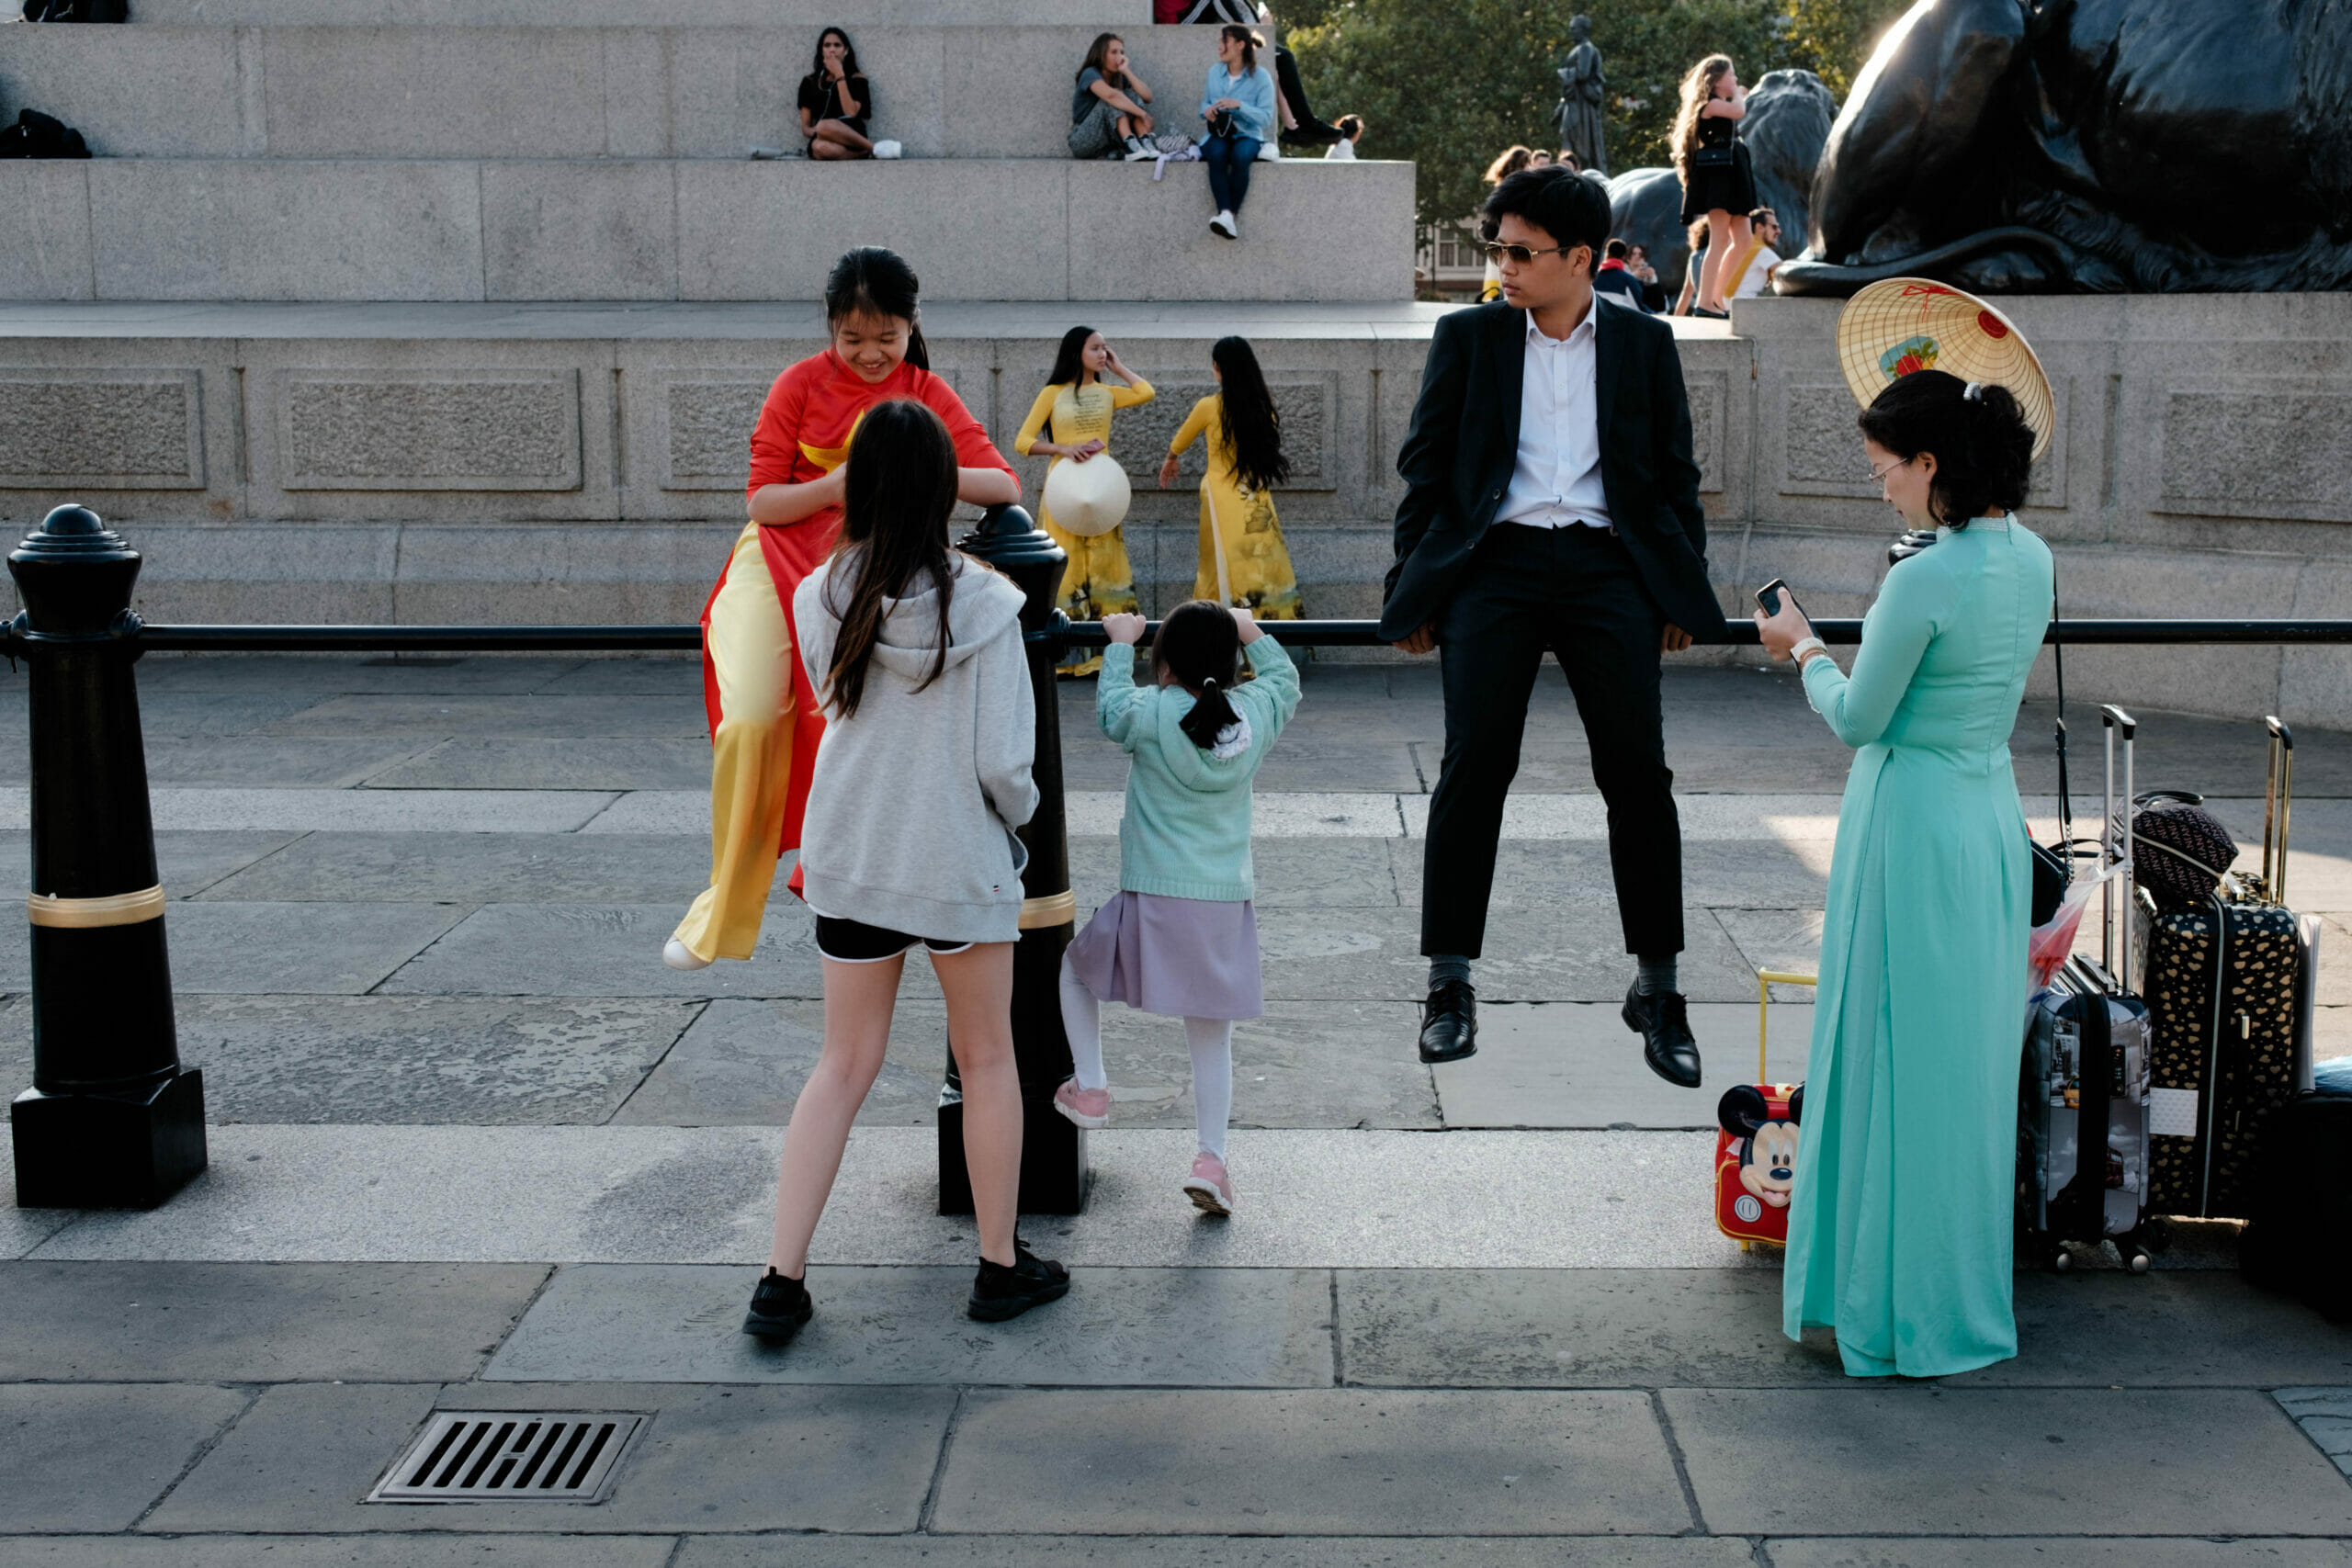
(1458, 458)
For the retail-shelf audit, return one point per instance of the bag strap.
(2058, 656)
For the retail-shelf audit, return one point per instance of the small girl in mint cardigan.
(1181, 937)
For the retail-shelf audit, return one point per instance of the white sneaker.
(1267, 153)
(1141, 152)
(887, 150)
(678, 955)
(1223, 224)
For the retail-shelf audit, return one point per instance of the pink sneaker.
(1087, 1107)
(1209, 1187)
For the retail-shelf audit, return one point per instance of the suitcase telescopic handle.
(2115, 935)
(2278, 796)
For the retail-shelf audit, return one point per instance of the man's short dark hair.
(1563, 204)
(1762, 216)
(1616, 251)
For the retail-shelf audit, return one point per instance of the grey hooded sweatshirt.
(913, 803)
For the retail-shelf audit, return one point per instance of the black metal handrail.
(1076, 634)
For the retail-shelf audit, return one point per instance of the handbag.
(1719, 155)
(1222, 123)
(2194, 850)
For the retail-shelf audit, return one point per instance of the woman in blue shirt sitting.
(1237, 105)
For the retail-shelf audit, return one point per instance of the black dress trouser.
(1575, 594)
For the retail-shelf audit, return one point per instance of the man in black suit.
(1552, 505)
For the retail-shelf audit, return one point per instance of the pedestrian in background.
(1637, 262)
(1180, 938)
(1351, 128)
(1615, 278)
(836, 101)
(1508, 162)
(1108, 112)
(1718, 182)
(1243, 559)
(915, 649)
(1697, 240)
(1076, 407)
(1237, 107)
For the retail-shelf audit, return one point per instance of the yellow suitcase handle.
(1765, 980)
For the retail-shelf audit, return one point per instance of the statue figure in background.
(2095, 146)
(1578, 116)
(1788, 114)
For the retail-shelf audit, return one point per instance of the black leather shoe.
(1450, 1023)
(1664, 1023)
(779, 1308)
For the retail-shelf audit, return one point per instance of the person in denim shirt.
(1237, 104)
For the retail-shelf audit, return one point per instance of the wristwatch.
(1806, 646)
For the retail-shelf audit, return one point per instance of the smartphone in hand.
(1769, 597)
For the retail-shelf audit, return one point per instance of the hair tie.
(1973, 392)
(1208, 685)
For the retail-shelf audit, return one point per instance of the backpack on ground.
(36, 135)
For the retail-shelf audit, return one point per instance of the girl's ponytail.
(1210, 716)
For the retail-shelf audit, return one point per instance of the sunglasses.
(1519, 255)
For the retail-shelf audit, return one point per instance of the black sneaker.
(779, 1308)
(999, 1293)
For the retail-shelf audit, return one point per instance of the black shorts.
(854, 941)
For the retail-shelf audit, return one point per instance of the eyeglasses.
(1878, 476)
(1519, 255)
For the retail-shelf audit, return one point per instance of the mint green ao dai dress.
(1900, 1230)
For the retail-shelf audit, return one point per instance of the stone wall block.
(735, 89)
(579, 230)
(638, 88)
(1319, 232)
(113, 428)
(429, 429)
(706, 426)
(45, 244)
(277, 229)
(396, 91)
(132, 92)
(2277, 447)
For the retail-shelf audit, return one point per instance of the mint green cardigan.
(1187, 828)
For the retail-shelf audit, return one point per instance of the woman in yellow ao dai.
(1076, 406)
(1243, 559)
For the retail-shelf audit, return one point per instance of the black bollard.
(1054, 1170)
(112, 1120)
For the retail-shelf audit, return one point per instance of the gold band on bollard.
(1054, 909)
(85, 914)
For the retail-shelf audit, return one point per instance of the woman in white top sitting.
(1344, 149)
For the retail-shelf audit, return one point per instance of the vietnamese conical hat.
(1901, 324)
(1088, 498)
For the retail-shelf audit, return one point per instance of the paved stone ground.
(477, 1149)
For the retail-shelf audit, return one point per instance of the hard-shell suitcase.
(1757, 1140)
(2222, 981)
(2083, 1169)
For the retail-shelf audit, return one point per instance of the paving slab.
(188, 862)
(2325, 1416)
(745, 1458)
(492, 1060)
(355, 810)
(299, 949)
(478, 868)
(1568, 952)
(2038, 1552)
(677, 676)
(257, 760)
(1311, 1200)
(675, 763)
(538, 716)
(593, 949)
(339, 1551)
(1542, 872)
(1135, 1327)
(1576, 1065)
(1720, 1329)
(170, 714)
(92, 1456)
(1211, 1551)
(1327, 1462)
(326, 675)
(743, 1063)
(256, 1321)
(1309, 873)
(1930, 1461)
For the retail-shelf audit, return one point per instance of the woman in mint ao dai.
(1900, 1230)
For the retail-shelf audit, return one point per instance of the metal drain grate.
(510, 1456)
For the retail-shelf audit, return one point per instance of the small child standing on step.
(1181, 937)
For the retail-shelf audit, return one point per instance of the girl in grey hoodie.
(923, 776)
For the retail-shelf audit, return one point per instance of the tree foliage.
(1449, 86)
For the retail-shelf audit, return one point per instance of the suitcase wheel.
(2137, 1256)
(2061, 1260)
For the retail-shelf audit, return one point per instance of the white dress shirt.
(1556, 483)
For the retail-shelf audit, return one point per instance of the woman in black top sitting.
(836, 101)
(1718, 185)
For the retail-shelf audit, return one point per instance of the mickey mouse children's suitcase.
(2083, 1173)
(1756, 1146)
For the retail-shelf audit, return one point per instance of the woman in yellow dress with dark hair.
(1076, 407)
(1243, 559)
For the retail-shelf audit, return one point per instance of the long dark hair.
(894, 534)
(849, 55)
(1095, 54)
(872, 281)
(1698, 86)
(1253, 431)
(1250, 44)
(1068, 364)
(1200, 649)
(1984, 448)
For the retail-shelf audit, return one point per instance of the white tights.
(1210, 1039)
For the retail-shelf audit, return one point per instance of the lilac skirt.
(1180, 957)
